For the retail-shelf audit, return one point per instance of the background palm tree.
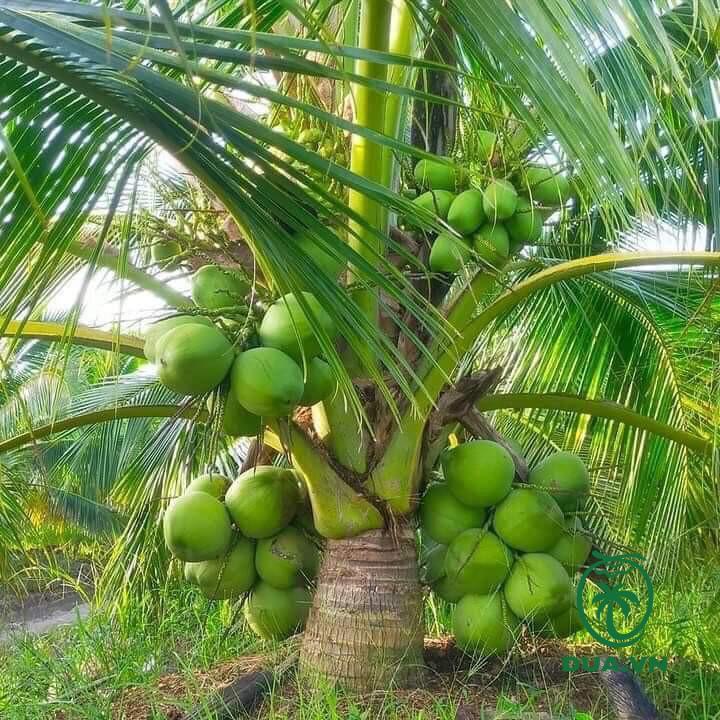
(616, 364)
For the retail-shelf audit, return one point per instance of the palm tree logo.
(620, 613)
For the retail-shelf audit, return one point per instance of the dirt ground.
(529, 685)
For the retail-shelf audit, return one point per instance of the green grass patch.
(135, 664)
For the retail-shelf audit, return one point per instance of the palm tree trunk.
(365, 629)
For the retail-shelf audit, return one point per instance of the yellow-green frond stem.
(406, 442)
(338, 510)
(595, 408)
(403, 41)
(87, 337)
(397, 476)
(396, 479)
(470, 328)
(341, 430)
(101, 416)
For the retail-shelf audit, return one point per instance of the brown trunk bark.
(365, 629)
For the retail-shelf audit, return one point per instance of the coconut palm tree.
(583, 341)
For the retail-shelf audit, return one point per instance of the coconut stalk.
(341, 429)
(366, 157)
(403, 41)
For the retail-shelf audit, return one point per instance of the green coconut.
(230, 575)
(215, 287)
(213, 484)
(479, 473)
(466, 213)
(267, 382)
(277, 614)
(547, 186)
(193, 359)
(449, 254)
(263, 500)
(196, 527)
(433, 175)
(529, 520)
(486, 140)
(492, 244)
(329, 265)
(447, 590)
(286, 326)
(431, 560)
(164, 252)
(443, 517)
(437, 202)
(483, 625)
(158, 329)
(499, 200)
(526, 225)
(237, 421)
(573, 547)
(560, 626)
(565, 477)
(319, 382)
(477, 561)
(286, 559)
(538, 588)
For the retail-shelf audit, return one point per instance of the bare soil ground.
(530, 685)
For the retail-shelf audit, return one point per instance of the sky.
(103, 307)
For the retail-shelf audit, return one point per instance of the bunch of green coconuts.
(275, 369)
(253, 537)
(489, 220)
(504, 554)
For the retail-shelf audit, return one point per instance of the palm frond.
(647, 340)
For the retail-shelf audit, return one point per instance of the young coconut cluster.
(505, 554)
(318, 138)
(493, 221)
(248, 537)
(164, 253)
(273, 368)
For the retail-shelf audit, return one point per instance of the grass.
(133, 665)
(83, 669)
(51, 554)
